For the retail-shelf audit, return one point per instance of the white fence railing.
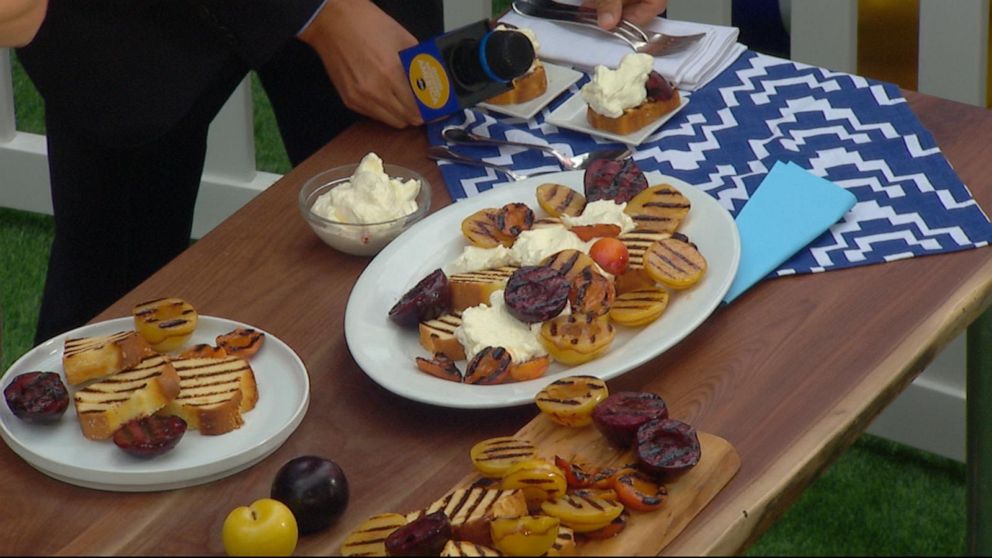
(953, 63)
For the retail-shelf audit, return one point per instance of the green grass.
(880, 498)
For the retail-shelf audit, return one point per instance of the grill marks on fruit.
(666, 446)
(428, 299)
(147, 312)
(495, 456)
(674, 262)
(370, 537)
(536, 293)
(610, 179)
(558, 200)
(505, 449)
(489, 366)
(584, 387)
(441, 366)
(150, 436)
(570, 263)
(244, 341)
(659, 208)
(514, 218)
(581, 502)
(639, 307)
(490, 227)
(481, 229)
(591, 293)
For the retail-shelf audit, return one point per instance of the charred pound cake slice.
(471, 510)
(135, 393)
(90, 358)
(214, 393)
(474, 287)
(438, 336)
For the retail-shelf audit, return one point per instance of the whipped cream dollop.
(370, 196)
(475, 258)
(602, 212)
(610, 92)
(493, 326)
(531, 247)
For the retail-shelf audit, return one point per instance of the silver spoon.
(442, 153)
(579, 162)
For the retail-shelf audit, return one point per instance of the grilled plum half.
(150, 436)
(666, 447)
(658, 87)
(37, 397)
(610, 179)
(430, 298)
(536, 293)
(424, 536)
(619, 416)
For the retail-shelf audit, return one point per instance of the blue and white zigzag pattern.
(855, 132)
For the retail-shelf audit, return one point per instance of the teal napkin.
(788, 210)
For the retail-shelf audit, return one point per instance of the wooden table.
(790, 374)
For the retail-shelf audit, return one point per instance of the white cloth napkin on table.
(584, 48)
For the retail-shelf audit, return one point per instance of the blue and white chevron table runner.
(856, 132)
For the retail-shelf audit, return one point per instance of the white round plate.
(60, 451)
(386, 351)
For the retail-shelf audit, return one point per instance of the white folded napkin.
(584, 48)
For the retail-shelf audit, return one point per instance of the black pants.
(123, 213)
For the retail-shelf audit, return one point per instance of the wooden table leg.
(979, 435)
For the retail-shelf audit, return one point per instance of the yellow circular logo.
(429, 81)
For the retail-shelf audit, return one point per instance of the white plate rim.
(379, 286)
(566, 116)
(560, 78)
(145, 476)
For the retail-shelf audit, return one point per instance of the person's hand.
(358, 44)
(20, 20)
(638, 12)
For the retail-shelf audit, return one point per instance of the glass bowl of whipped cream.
(359, 209)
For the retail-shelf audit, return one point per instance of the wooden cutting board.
(646, 533)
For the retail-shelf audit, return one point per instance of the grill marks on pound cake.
(105, 406)
(472, 509)
(438, 336)
(89, 358)
(473, 288)
(637, 242)
(214, 392)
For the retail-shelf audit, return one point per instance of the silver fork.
(624, 25)
(460, 135)
(655, 44)
(442, 153)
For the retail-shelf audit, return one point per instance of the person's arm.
(20, 20)
(639, 12)
(359, 45)
(257, 29)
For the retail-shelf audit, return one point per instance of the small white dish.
(60, 451)
(386, 352)
(560, 78)
(359, 239)
(572, 115)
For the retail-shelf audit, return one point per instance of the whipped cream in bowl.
(359, 209)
